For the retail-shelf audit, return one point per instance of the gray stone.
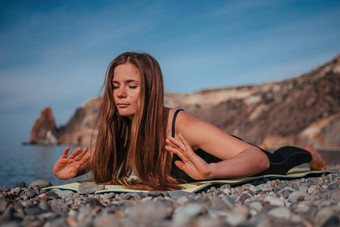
(229, 202)
(312, 189)
(8, 214)
(17, 190)
(302, 207)
(31, 194)
(325, 203)
(32, 210)
(148, 212)
(297, 196)
(88, 188)
(52, 194)
(18, 206)
(256, 205)
(3, 203)
(109, 195)
(22, 184)
(176, 194)
(63, 193)
(236, 219)
(95, 202)
(44, 205)
(40, 184)
(239, 209)
(333, 186)
(274, 201)
(184, 214)
(332, 221)
(60, 222)
(325, 214)
(243, 197)
(5, 189)
(207, 221)
(106, 220)
(281, 212)
(226, 191)
(218, 203)
(85, 214)
(155, 193)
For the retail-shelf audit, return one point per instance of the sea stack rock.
(44, 130)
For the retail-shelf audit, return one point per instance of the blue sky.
(55, 53)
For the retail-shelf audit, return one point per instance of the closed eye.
(114, 85)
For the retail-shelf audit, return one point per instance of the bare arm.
(239, 158)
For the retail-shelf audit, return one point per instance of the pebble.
(311, 201)
(297, 196)
(312, 189)
(106, 220)
(274, 201)
(22, 184)
(184, 214)
(148, 212)
(281, 212)
(44, 205)
(88, 188)
(40, 184)
(176, 194)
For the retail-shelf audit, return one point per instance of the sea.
(26, 163)
(31, 162)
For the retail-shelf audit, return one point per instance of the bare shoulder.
(201, 134)
(185, 121)
(192, 128)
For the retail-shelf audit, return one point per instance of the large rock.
(79, 130)
(44, 130)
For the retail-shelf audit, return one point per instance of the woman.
(163, 146)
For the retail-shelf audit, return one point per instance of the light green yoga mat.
(200, 185)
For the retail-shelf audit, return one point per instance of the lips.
(122, 105)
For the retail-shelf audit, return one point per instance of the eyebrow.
(127, 81)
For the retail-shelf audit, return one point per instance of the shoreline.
(313, 201)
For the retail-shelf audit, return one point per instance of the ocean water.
(27, 163)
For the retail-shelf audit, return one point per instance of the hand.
(191, 163)
(69, 167)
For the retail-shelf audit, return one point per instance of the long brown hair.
(122, 145)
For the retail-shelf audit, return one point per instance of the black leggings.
(285, 159)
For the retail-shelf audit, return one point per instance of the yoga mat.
(201, 185)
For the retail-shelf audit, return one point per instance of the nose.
(121, 93)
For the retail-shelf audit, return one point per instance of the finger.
(186, 151)
(75, 152)
(171, 144)
(64, 155)
(177, 152)
(176, 143)
(180, 165)
(84, 160)
(81, 154)
(184, 141)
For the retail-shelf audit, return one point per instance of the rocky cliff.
(296, 111)
(44, 130)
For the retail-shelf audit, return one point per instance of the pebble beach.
(313, 201)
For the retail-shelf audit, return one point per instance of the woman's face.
(126, 89)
